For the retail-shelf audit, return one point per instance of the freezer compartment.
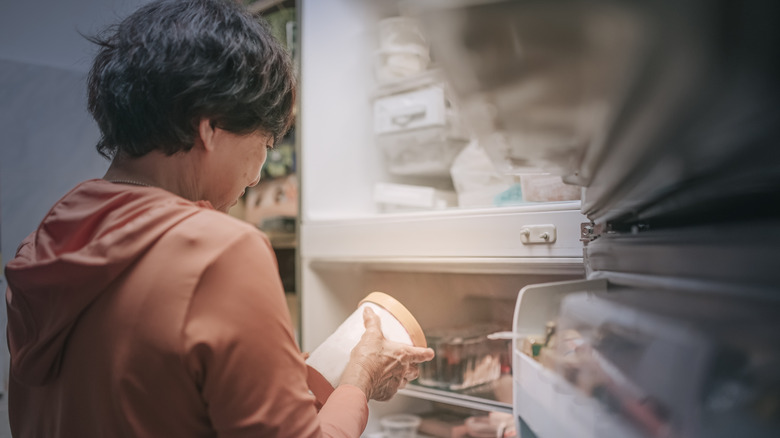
(646, 363)
(544, 75)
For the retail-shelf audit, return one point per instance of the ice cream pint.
(328, 361)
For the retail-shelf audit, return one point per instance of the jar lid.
(401, 313)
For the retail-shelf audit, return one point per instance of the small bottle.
(549, 333)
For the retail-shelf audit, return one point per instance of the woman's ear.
(207, 133)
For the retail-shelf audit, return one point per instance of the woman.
(138, 308)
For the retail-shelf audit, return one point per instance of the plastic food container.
(420, 108)
(393, 65)
(465, 357)
(420, 152)
(419, 131)
(404, 197)
(400, 426)
(492, 425)
(545, 187)
(328, 361)
(403, 51)
(401, 33)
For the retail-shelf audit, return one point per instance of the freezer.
(595, 179)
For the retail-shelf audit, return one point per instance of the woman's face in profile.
(237, 163)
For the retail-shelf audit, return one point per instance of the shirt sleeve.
(240, 350)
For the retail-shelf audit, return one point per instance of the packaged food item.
(465, 357)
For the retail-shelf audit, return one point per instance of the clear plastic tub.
(465, 357)
(423, 152)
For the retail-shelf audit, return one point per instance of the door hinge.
(590, 231)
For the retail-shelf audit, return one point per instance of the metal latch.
(531, 234)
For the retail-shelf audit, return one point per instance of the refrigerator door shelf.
(643, 361)
(544, 400)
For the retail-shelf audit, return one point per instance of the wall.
(48, 138)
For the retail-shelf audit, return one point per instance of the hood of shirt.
(86, 241)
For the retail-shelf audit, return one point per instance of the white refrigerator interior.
(596, 180)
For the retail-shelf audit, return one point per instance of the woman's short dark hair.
(173, 62)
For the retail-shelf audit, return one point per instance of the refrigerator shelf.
(455, 398)
(460, 265)
(494, 233)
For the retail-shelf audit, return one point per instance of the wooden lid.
(401, 313)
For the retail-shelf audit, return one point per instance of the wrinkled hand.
(380, 367)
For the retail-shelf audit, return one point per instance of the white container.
(545, 187)
(400, 425)
(393, 65)
(401, 33)
(328, 361)
(405, 197)
(421, 108)
(420, 152)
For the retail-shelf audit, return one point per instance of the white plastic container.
(420, 108)
(404, 197)
(420, 152)
(545, 187)
(328, 361)
(400, 425)
(401, 33)
(420, 132)
(393, 65)
(403, 51)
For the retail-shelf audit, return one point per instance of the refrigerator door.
(638, 362)
(667, 113)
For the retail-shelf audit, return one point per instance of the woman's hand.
(380, 367)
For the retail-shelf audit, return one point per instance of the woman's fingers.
(419, 354)
(372, 322)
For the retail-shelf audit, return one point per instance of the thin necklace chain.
(128, 181)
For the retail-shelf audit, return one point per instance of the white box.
(408, 197)
(416, 109)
